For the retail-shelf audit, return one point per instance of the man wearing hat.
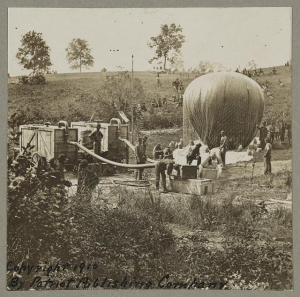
(97, 136)
(140, 157)
(223, 146)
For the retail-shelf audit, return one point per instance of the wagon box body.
(50, 141)
(111, 144)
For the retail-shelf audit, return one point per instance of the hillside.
(74, 97)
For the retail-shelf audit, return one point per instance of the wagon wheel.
(38, 161)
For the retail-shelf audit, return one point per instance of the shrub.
(38, 79)
(24, 79)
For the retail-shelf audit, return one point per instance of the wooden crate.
(209, 173)
(191, 186)
(188, 171)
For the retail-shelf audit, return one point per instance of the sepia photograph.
(149, 148)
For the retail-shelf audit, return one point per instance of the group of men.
(87, 179)
(274, 132)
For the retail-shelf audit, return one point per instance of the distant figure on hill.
(159, 102)
(175, 85)
(274, 71)
(143, 106)
(261, 73)
(272, 132)
(158, 80)
(263, 131)
(154, 103)
(282, 131)
(289, 132)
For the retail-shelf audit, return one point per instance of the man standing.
(289, 132)
(160, 171)
(267, 156)
(272, 132)
(263, 131)
(282, 132)
(97, 136)
(140, 157)
(223, 146)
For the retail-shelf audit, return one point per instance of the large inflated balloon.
(223, 101)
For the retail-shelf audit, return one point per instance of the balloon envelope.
(223, 101)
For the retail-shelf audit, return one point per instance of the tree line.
(34, 53)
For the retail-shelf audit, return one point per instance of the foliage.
(34, 53)
(170, 39)
(251, 65)
(176, 62)
(38, 79)
(121, 91)
(79, 54)
(207, 66)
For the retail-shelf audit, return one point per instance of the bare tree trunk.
(80, 63)
(165, 62)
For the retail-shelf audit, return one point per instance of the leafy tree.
(79, 54)
(204, 66)
(169, 40)
(251, 65)
(176, 62)
(207, 66)
(34, 53)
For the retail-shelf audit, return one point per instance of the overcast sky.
(231, 36)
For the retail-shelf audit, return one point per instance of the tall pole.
(132, 68)
(132, 128)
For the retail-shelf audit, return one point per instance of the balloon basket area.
(201, 186)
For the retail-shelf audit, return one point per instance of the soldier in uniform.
(160, 171)
(97, 137)
(223, 146)
(267, 156)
